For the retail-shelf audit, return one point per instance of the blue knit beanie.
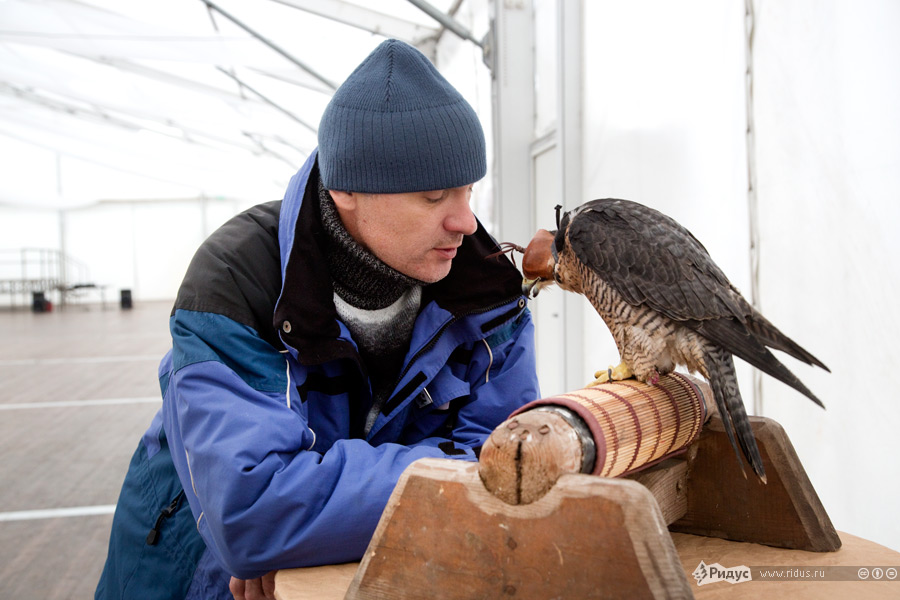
(396, 125)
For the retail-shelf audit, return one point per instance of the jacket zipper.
(167, 512)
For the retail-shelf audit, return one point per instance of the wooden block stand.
(444, 536)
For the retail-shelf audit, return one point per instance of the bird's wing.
(647, 257)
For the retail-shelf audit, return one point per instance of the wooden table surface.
(331, 582)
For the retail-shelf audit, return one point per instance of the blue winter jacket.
(259, 445)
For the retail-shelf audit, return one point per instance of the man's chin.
(433, 273)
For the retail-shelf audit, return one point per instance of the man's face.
(415, 233)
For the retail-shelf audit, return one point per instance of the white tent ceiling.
(175, 98)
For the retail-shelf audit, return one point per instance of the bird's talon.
(600, 377)
(617, 373)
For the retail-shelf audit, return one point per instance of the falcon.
(666, 303)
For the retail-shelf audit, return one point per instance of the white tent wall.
(26, 227)
(664, 123)
(664, 120)
(828, 156)
(142, 246)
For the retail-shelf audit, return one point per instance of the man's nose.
(461, 219)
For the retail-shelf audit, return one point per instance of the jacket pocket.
(154, 545)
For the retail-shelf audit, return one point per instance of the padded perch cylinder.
(632, 425)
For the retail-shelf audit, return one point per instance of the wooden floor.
(77, 389)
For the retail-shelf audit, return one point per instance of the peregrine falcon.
(666, 303)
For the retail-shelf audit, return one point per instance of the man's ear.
(347, 204)
(343, 200)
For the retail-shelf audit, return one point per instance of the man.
(323, 343)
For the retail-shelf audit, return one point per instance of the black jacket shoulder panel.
(236, 272)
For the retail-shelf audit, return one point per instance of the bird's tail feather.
(771, 365)
(773, 337)
(723, 380)
(743, 343)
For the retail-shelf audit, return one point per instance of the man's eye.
(435, 197)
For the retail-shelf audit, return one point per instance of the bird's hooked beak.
(530, 284)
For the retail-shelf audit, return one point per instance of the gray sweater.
(378, 304)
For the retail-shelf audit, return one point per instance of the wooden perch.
(625, 425)
(525, 523)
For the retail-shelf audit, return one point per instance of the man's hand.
(262, 588)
